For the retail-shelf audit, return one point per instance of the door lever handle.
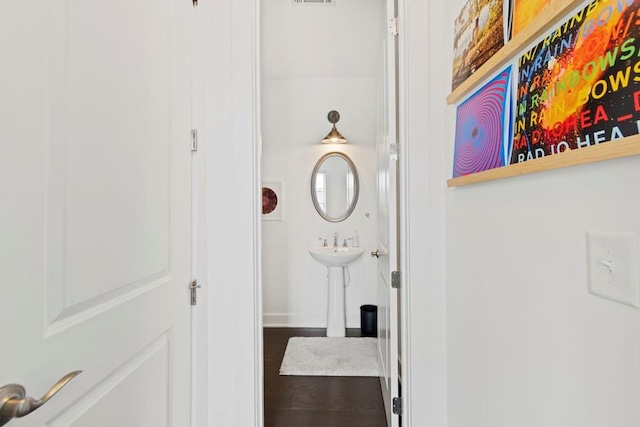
(14, 402)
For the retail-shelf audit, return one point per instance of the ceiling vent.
(305, 2)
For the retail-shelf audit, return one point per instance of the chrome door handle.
(376, 253)
(15, 404)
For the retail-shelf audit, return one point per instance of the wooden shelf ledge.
(546, 20)
(629, 146)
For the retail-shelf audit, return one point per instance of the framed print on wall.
(272, 201)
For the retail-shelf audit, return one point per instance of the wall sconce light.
(334, 137)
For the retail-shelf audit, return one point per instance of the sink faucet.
(335, 240)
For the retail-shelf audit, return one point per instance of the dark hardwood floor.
(293, 401)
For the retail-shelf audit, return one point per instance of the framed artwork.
(579, 86)
(525, 11)
(272, 201)
(483, 128)
(479, 32)
(575, 90)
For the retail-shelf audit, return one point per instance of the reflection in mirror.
(334, 186)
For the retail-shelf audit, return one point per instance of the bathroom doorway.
(319, 56)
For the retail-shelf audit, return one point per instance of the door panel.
(96, 219)
(144, 379)
(387, 219)
(114, 223)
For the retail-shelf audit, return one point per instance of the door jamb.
(257, 238)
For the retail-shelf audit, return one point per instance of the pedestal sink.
(336, 260)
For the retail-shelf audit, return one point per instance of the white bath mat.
(331, 357)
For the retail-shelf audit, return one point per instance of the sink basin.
(335, 257)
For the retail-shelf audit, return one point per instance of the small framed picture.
(272, 201)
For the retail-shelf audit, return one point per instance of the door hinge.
(394, 151)
(397, 405)
(395, 279)
(194, 139)
(393, 26)
(194, 291)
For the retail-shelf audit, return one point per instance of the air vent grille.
(306, 2)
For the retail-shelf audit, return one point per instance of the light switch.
(613, 267)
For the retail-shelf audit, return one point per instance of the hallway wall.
(527, 344)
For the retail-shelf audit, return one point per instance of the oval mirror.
(334, 186)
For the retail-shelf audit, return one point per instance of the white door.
(387, 249)
(95, 190)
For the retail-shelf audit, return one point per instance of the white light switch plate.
(613, 266)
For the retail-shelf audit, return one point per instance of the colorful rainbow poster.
(580, 85)
(483, 128)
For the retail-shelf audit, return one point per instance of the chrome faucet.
(335, 240)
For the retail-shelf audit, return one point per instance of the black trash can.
(369, 320)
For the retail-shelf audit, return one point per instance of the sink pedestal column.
(336, 310)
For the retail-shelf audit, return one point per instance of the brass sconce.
(334, 137)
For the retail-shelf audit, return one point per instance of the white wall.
(527, 344)
(316, 58)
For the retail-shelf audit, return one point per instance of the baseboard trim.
(304, 320)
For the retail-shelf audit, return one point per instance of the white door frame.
(257, 242)
(422, 134)
(232, 147)
(233, 241)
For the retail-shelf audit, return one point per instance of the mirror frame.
(356, 184)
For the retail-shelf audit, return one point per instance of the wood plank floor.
(293, 401)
